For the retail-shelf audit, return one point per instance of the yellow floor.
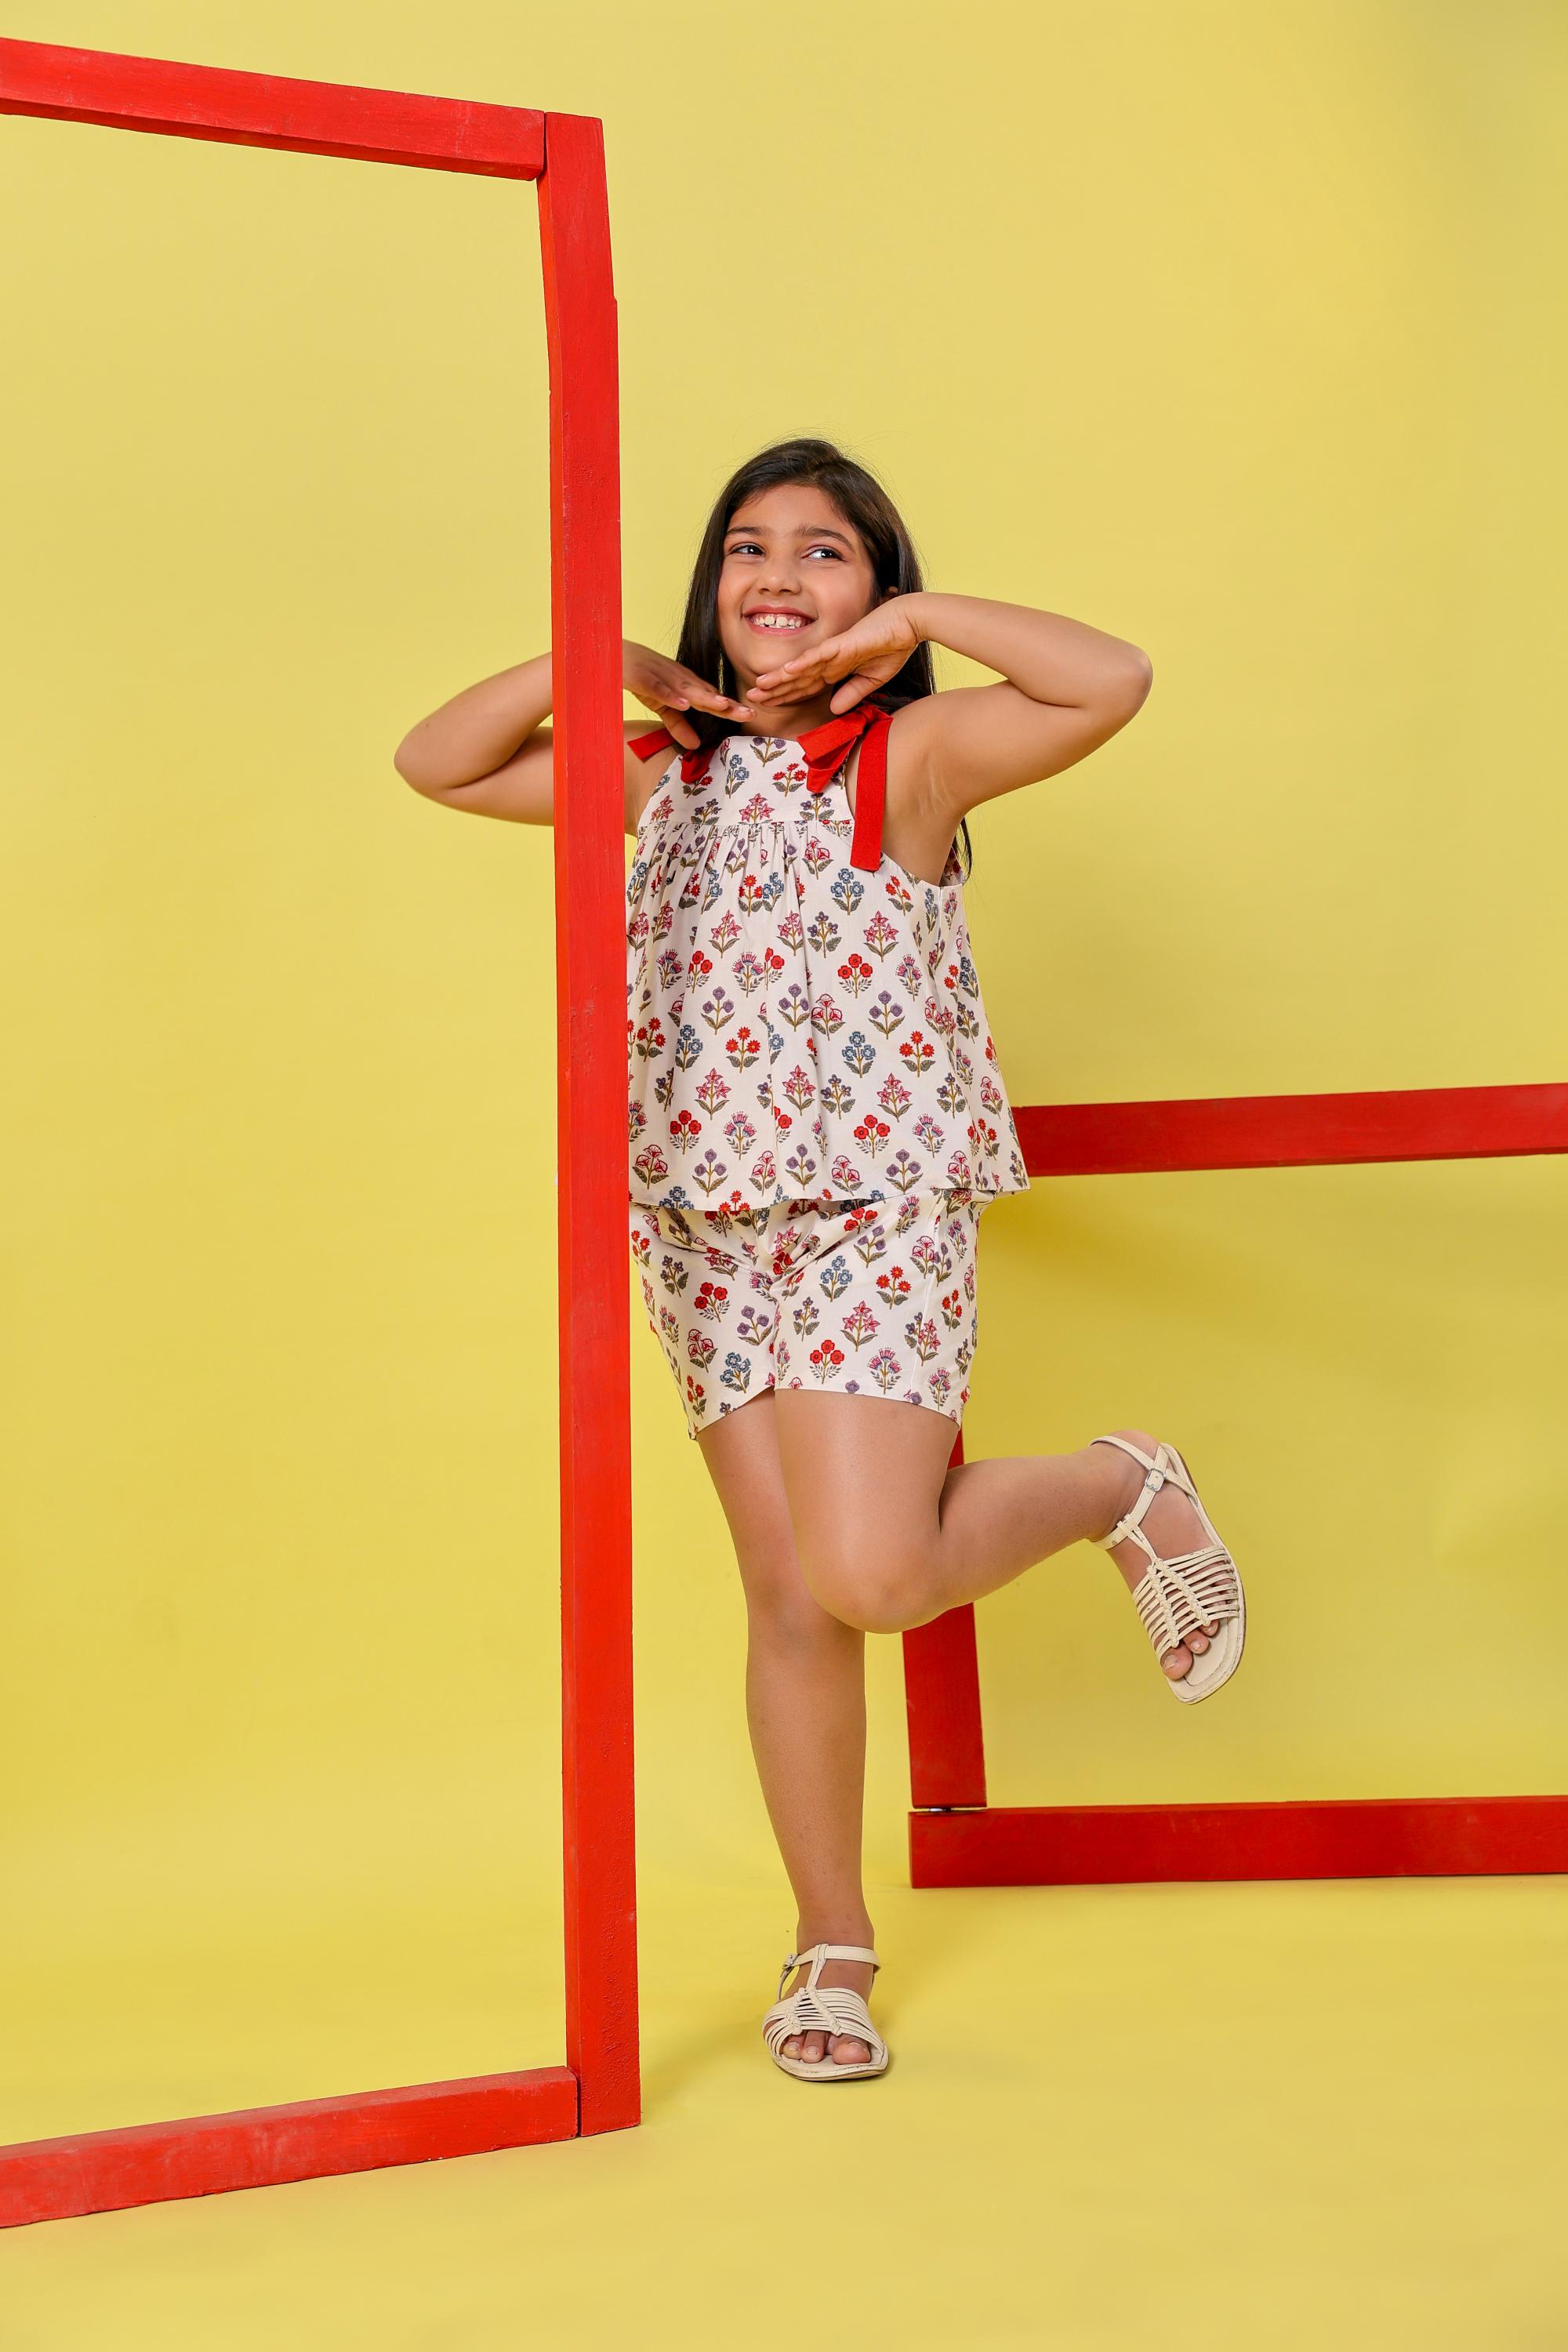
(1259, 2117)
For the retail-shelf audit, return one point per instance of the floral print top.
(803, 1017)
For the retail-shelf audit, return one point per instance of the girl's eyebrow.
(803, 531)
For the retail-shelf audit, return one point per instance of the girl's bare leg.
(805, 1708)
(889, 1536)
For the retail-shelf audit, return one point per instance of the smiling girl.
(817, 1121)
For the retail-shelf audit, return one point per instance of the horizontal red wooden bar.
(257, 2148)
(257, 109)
(1121, 1139)
(1347, 1837)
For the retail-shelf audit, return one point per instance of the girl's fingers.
(707, 697)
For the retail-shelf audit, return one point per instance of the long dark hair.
(866, 506)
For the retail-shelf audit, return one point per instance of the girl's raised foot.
(1173, 1526)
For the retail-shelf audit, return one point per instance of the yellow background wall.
(1231, 331)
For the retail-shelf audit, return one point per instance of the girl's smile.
(782, 546)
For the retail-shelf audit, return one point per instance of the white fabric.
(798, 1029)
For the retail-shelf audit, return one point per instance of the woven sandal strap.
(834, 2010)
(1175, 1596)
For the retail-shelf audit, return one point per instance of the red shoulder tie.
(645, 746)
(870, 794)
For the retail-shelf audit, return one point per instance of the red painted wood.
(1351, 1837)
(941, 1704)
(1292, 1130)
(591, 1057)
(256, 109)
(255, 2147)
(96, 2171)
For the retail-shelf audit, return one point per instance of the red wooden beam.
(1121, 1139)
(255, 2147)
(256, 109)
(599, 2089)
(591, 1123)
(1347, 1837)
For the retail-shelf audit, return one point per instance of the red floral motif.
(894, 1285)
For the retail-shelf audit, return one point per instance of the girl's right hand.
(668, 690)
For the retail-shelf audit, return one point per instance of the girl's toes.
(847, 2052)
(1197, 1642)
(1178, 1662)
(791, 2047)
(812, 2048)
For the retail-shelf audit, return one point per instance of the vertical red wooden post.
(941, 1701)
(594, 1313)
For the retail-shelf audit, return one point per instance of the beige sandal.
(1194, 1588)
(815, 2007)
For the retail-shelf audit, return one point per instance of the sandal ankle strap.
(1159, 1472)
(816, 1954)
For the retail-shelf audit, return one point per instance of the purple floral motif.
(903, 1172)
(710, 1172)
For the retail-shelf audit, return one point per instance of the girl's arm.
(488, 751)
(1067, 689)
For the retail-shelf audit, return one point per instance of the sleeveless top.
(803, 1017)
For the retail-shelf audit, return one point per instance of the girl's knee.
(782, 1609)
(874, 1594)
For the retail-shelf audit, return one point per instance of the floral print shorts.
(863, 1297)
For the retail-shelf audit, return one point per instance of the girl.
(817, 1121)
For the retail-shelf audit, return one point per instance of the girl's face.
(795, 572)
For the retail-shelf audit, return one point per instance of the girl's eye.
(749, 547)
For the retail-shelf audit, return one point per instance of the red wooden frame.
(597, 2089)
(955, 1838)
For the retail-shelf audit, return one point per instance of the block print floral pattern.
(796, 1028)
(862, 1298)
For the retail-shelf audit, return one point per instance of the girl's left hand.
(864, 657)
